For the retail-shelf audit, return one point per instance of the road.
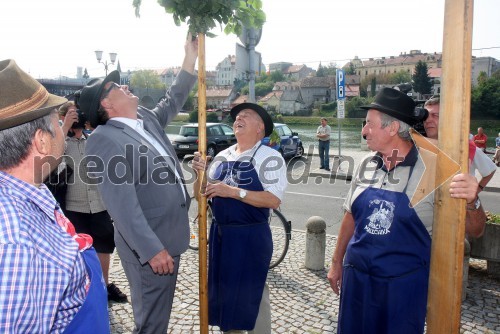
(318, 196)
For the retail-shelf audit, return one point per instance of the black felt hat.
(91, 94)
(396, 104)
(266, 118)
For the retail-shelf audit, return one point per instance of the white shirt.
(138, 126)
(269, 165)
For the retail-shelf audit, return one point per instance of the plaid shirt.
(43, 276)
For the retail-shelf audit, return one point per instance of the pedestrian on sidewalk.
(323, 135)
(480, 139)
(381, 261)
(51, 280)
(141, 184)
(478, 160)
(83, 204)
(245, 181)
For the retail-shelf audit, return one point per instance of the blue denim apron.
(93, 316)
(386, 267)
(240, 251)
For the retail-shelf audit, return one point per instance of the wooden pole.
(445, 281)
(202, 203)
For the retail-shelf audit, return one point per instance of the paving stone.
(301, 300)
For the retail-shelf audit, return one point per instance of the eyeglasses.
(109, 89)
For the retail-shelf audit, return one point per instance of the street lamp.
(112, 58)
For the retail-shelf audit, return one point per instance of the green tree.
(146, 79)
(421, 81)
(352, 106)
(351, 70)
(330, 69)
(85, 74)
(485, 98)
(373, 86)
(400, 77)
(320, 72)
(203, 16)
(277, 76)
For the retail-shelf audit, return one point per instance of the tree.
(421, 81)
(373, 86)
(202, 16)
(85, 74)
(351, 70)
(485, 98)
(400, 77)
(146, 79)
(321, 71)
(352, 106)
(330, 69)
(277, 76)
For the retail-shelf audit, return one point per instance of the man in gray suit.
(140, 181)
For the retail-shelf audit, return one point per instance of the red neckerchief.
(84, 240)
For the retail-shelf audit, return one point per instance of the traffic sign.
(340, 85)
(341, 108)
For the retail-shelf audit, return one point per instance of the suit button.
(183, 205)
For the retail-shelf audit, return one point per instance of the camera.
(81, 120)
(420, 114)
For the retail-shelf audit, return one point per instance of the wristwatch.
(474, 205)
(243, 193)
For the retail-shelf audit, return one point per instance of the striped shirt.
(43, 276)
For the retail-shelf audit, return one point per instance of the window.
(228, 131)
(286, 130)
(215, 131)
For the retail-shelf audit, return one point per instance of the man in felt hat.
(140, 181)
(478, 160)
(381, 260)
(245, 181)
(51, 277)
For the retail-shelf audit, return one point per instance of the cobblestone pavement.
(301, 299)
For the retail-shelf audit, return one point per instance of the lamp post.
(112, 58)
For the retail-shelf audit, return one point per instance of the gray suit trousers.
(152, 296)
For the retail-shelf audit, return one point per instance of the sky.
(51, 38)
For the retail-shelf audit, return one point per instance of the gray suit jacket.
(138, 185)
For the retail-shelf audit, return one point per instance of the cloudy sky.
(51, 38)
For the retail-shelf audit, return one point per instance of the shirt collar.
(128, 121)
(409, 160)
(232, 149)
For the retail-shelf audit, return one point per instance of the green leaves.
(203, 15)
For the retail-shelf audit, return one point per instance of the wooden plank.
(445, 281)
(202, 203)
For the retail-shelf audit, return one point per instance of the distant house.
(240, 99)
(389, 65)
(216, 97)
(284, 85)
(168, 75)
(297, 72)
(317, 89)
(272, 100)
(290, 102)
(352, 84)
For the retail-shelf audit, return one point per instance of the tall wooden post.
(202, 203)
(445, 282)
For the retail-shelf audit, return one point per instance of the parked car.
(289, 145)
(219, 137)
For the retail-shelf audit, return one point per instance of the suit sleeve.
(117, 188)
